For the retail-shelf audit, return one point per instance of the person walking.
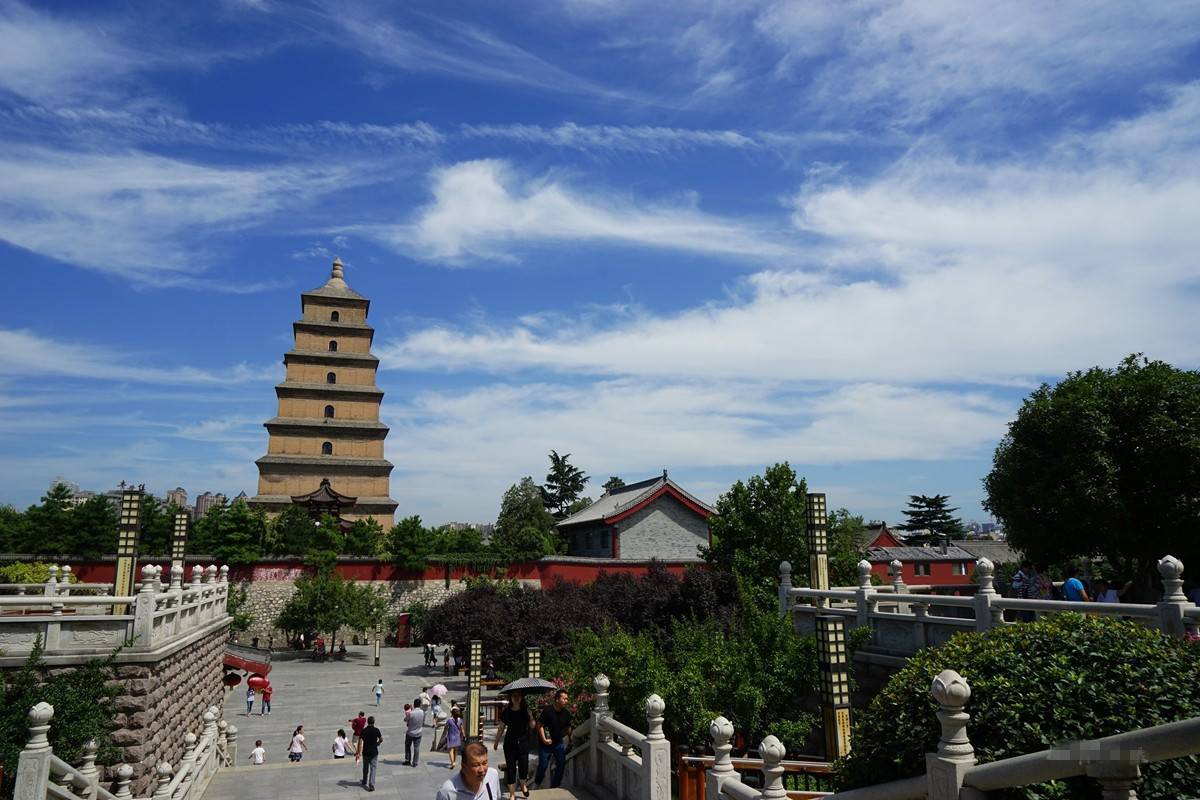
(258, 755)
(249, 701)
(454, 734)
(265, 706)
(368, 753)
(446, 661)
(515, 723)
(475, 781)
(297, 747)
(356, 726)
(339, 744)
(554, 723)
(415, 727)
(378, 691)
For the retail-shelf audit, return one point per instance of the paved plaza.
(323, 696)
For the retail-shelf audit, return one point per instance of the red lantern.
(258, 682)
(231, 679)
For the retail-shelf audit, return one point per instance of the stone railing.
(42, 775)
(952, 772)
(74, 624)
(626, 764)
(904, 621)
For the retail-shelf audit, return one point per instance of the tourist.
(446, 661)
(1073, 587)
(490, 670)
(475, 781)
(265, 707)
(554, 723)
(426, 700)
(1024, 587)
(297, 747)
(378, 691)
(258, 755)
(1111, 591)
(342, 649)
(249, 701)
(339, 744)
(368, 753)
(515, 721)
(412, 734)
(454, 734)
(356, 726)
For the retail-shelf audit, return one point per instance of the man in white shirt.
(476, 781)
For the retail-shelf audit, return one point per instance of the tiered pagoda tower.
(327, 426)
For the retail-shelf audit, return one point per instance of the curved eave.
(344, 391)
(342, 425)
(327, 357)
(690, 503)
(333, 328)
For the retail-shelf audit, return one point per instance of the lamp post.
(818, 544)
(129, 527)
(533, 662)
(378, 639)
(179, 541)
(835, 685)
(474, 689)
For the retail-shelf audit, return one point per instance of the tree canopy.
(926, 513)
(760, 523)
(524, 526)
(1105, 463)
(564, 485)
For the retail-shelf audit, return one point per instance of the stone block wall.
(163, 701)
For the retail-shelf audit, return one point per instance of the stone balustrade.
(42, 775)
(74, 625)
(904, 620)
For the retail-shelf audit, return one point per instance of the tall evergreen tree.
(930, 514)
(564, 484)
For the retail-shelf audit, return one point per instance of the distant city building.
(484, 528)
(177, 496)
(327, 424)
(204, 502)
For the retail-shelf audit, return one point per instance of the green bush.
(1034, 686)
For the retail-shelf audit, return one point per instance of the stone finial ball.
(655, 706)
(1170, 567)
(189, 739)
(720, 730)
(148, 572)
(950, 689)
(601, 682)
(772, 749)
(125, 772)
(985, 566)
(209, 717)
(41, 713)
(785, 567)
(164, 769)
(863, 567)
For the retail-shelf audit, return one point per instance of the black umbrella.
(529, 685)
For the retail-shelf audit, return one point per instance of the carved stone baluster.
(189, 759)
(89, 771)
(1174, 601)
(656, 753)
(721, 733)
(231, 737)
(987, 614)
(772, 752)
(1116, 777)
(33, 768)
(165, 772)
(946, 768)
(600, 711)
(64, 585)
(124, 778)
(785, 587)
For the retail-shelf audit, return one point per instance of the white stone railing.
(627, 764)
(42, 775)
(904, 621)
(73, 624)
(952, 772)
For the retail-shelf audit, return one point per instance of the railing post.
(785, 588)
(51, 587)
(946, 769)
(863, 595)
(33, 768)
(1115, 777)
(1174, 601)
(143, 610)
(188, 760)
(124, 778)
(656, 753)
(600, 711)
(721, 733)
(772, 752)
(165, 771)
(64, 586)
(986, 617)
(197, 576)
(89, 771)
(231, 734)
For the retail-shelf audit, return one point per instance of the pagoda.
(327, 434)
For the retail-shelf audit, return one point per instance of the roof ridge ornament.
(337, 269)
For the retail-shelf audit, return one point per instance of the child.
(339, 744)
(258, 755)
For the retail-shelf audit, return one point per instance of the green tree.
(846, 547)
(325, 602)
(410, 543)
(47, 524)
(1105, 463)
(231, 534)
(930, 514)
(91, 527)
(158, 527)
(365, 538)
(564, 484)
(291, 532)
(759, 524)
(524, 526)
(14, 530)
(326, 544)
(613, 483)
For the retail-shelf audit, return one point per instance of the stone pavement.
(323, 697)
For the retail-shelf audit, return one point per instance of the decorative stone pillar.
(197, 576)
(1174, 601)
(124, 778)
(189, 760)
(600, 711)
(772, 752)
(785, 587)
(656, 753)
(143, 610)
(33, 768)
(64, 585)
(896, 567)
(721, 733)
(864, 593)
(946, 769)
(89, 771)
(987, 615)
(51, 587)
(1115, 777)
(231, 738)
(165, 772)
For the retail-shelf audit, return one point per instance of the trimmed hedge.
(1036, 685)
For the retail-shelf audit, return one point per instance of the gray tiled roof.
(907, 554)
(996, 552)
(626, 497)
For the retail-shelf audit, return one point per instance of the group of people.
(554, 736)
(264, 706)
(1032, 582)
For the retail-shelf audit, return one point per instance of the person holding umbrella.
(516, 721)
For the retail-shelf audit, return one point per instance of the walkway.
(323, 697)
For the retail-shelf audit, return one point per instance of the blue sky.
(704, 237)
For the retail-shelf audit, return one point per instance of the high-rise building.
(177, 496)
(327, 424)
(206, 501)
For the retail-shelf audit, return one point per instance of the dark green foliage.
(232, 534)
(55, 528)
(759, 524)
(158, 527)
(410, 543)
(237, 599)
(365, 538)
(1034, 686)
(524, 528)
(564, 484)
(1105, 463)
(325, 602)
(846, 547)
(14, 530)
(82, 699)
(931, 515)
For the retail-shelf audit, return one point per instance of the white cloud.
(483, 209)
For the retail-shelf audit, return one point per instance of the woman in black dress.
(516, 721)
